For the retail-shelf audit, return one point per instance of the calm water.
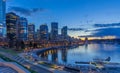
(83, 53)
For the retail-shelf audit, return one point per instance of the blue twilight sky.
(73, 13)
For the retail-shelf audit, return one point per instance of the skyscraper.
(38, 34)
(12, 21)
(22, 28)
(64, 31)
(2, 18)
(31, 32)
(44, 32)
(12, 27)
(54, 30)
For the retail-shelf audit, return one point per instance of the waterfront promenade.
(33, 53)
(51, 70)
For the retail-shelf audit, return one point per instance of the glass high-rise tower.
(22, 28)
(2, 18)
(54, 30)
(31, 32)
(44, 32)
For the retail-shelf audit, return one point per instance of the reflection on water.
(83, 53)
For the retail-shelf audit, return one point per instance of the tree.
(17, 44)
(30, 44)
(35, 45)
(22, 45)
(12, 40)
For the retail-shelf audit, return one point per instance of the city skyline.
(2, 18)
(18, 28)
(59, 36)
(82, 14)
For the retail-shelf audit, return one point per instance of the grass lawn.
(5, 58)
(9, 50)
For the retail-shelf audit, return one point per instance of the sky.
(80, 15)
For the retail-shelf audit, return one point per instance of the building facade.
(44, 32)
(54, 30)
(12, 21)
(2, 18)
(22, 29)
(31, 32)
(12, 28)
(38, 34)
(64, 31)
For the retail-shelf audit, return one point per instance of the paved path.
(32, 66)
(37, 68)
(44, 67)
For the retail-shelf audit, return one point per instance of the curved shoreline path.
(39, 68)
(34, 67)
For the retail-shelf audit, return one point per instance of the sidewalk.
(50, 69)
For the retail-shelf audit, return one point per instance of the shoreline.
(36, 51)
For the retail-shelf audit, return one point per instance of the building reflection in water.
(50, 55)
(44, 55)
(64, 55)
(54, 56)
(86, 46)
(86, 43)
(82, 53)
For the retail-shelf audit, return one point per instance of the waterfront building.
(2, 18)
(64, 31)
(86, 40)
(54, 30)
(44, 32)
(12, 26)
(31, 32)
(12, 21)
(22, 29)
(38, 34)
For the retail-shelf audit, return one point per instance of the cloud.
(107, 25)
(25, 11)
(75, 29)
(107, 32)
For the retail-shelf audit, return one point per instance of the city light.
(59, 36)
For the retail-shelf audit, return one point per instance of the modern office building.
(44, 32)
(2, 18)
(22, 29)
(38, 34)
(31, 32)
(54, 30)
(12, 26)
(64, 31)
